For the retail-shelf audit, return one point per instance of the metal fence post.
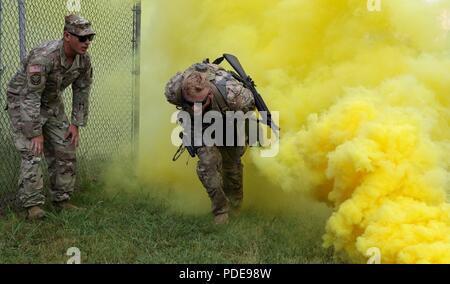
(22, 29)
(136, 74)
(1, 52)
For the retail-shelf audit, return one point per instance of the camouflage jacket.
(40, 83)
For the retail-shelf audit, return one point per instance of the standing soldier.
(39, 123)
(208, 87)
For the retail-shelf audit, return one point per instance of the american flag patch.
(35, 69)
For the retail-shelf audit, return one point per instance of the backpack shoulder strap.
(219, 97)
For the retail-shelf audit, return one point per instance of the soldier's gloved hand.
(73, 134)
(37, 145)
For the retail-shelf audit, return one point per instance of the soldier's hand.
(73, 134)
(37, 145)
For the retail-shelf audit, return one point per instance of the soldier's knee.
(209, 158)
(66, 147)
(30, 159)
(233, 165)
(30, 172)
(65, 161)
(65, 154)
(209, 167)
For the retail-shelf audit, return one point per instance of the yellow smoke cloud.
(364, 106)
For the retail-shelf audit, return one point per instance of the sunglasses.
(84, 38)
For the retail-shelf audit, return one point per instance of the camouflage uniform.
(35, 106)
(219, 167)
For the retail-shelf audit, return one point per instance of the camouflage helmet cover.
(78, 25)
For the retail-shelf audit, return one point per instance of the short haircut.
(194, 83)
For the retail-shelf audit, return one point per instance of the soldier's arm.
(81, 89)
(247, 100)
(239, 98)
(30, 110)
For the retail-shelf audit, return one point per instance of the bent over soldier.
(207, 87)
(39, 124)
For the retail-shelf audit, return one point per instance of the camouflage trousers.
(60, 158)
(221, 172)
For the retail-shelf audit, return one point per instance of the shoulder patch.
(35, 79)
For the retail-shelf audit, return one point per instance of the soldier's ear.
(66, 36)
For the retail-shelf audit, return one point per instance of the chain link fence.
(113, 120)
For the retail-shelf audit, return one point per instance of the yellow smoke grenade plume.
(364, 106)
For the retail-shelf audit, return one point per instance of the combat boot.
(35, 213)
(221, 219)
(65, 205)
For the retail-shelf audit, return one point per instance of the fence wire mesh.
(25, 24)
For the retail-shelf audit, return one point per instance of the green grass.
(139, 227)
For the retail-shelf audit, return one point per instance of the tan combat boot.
(35, 213)
(221, 219)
